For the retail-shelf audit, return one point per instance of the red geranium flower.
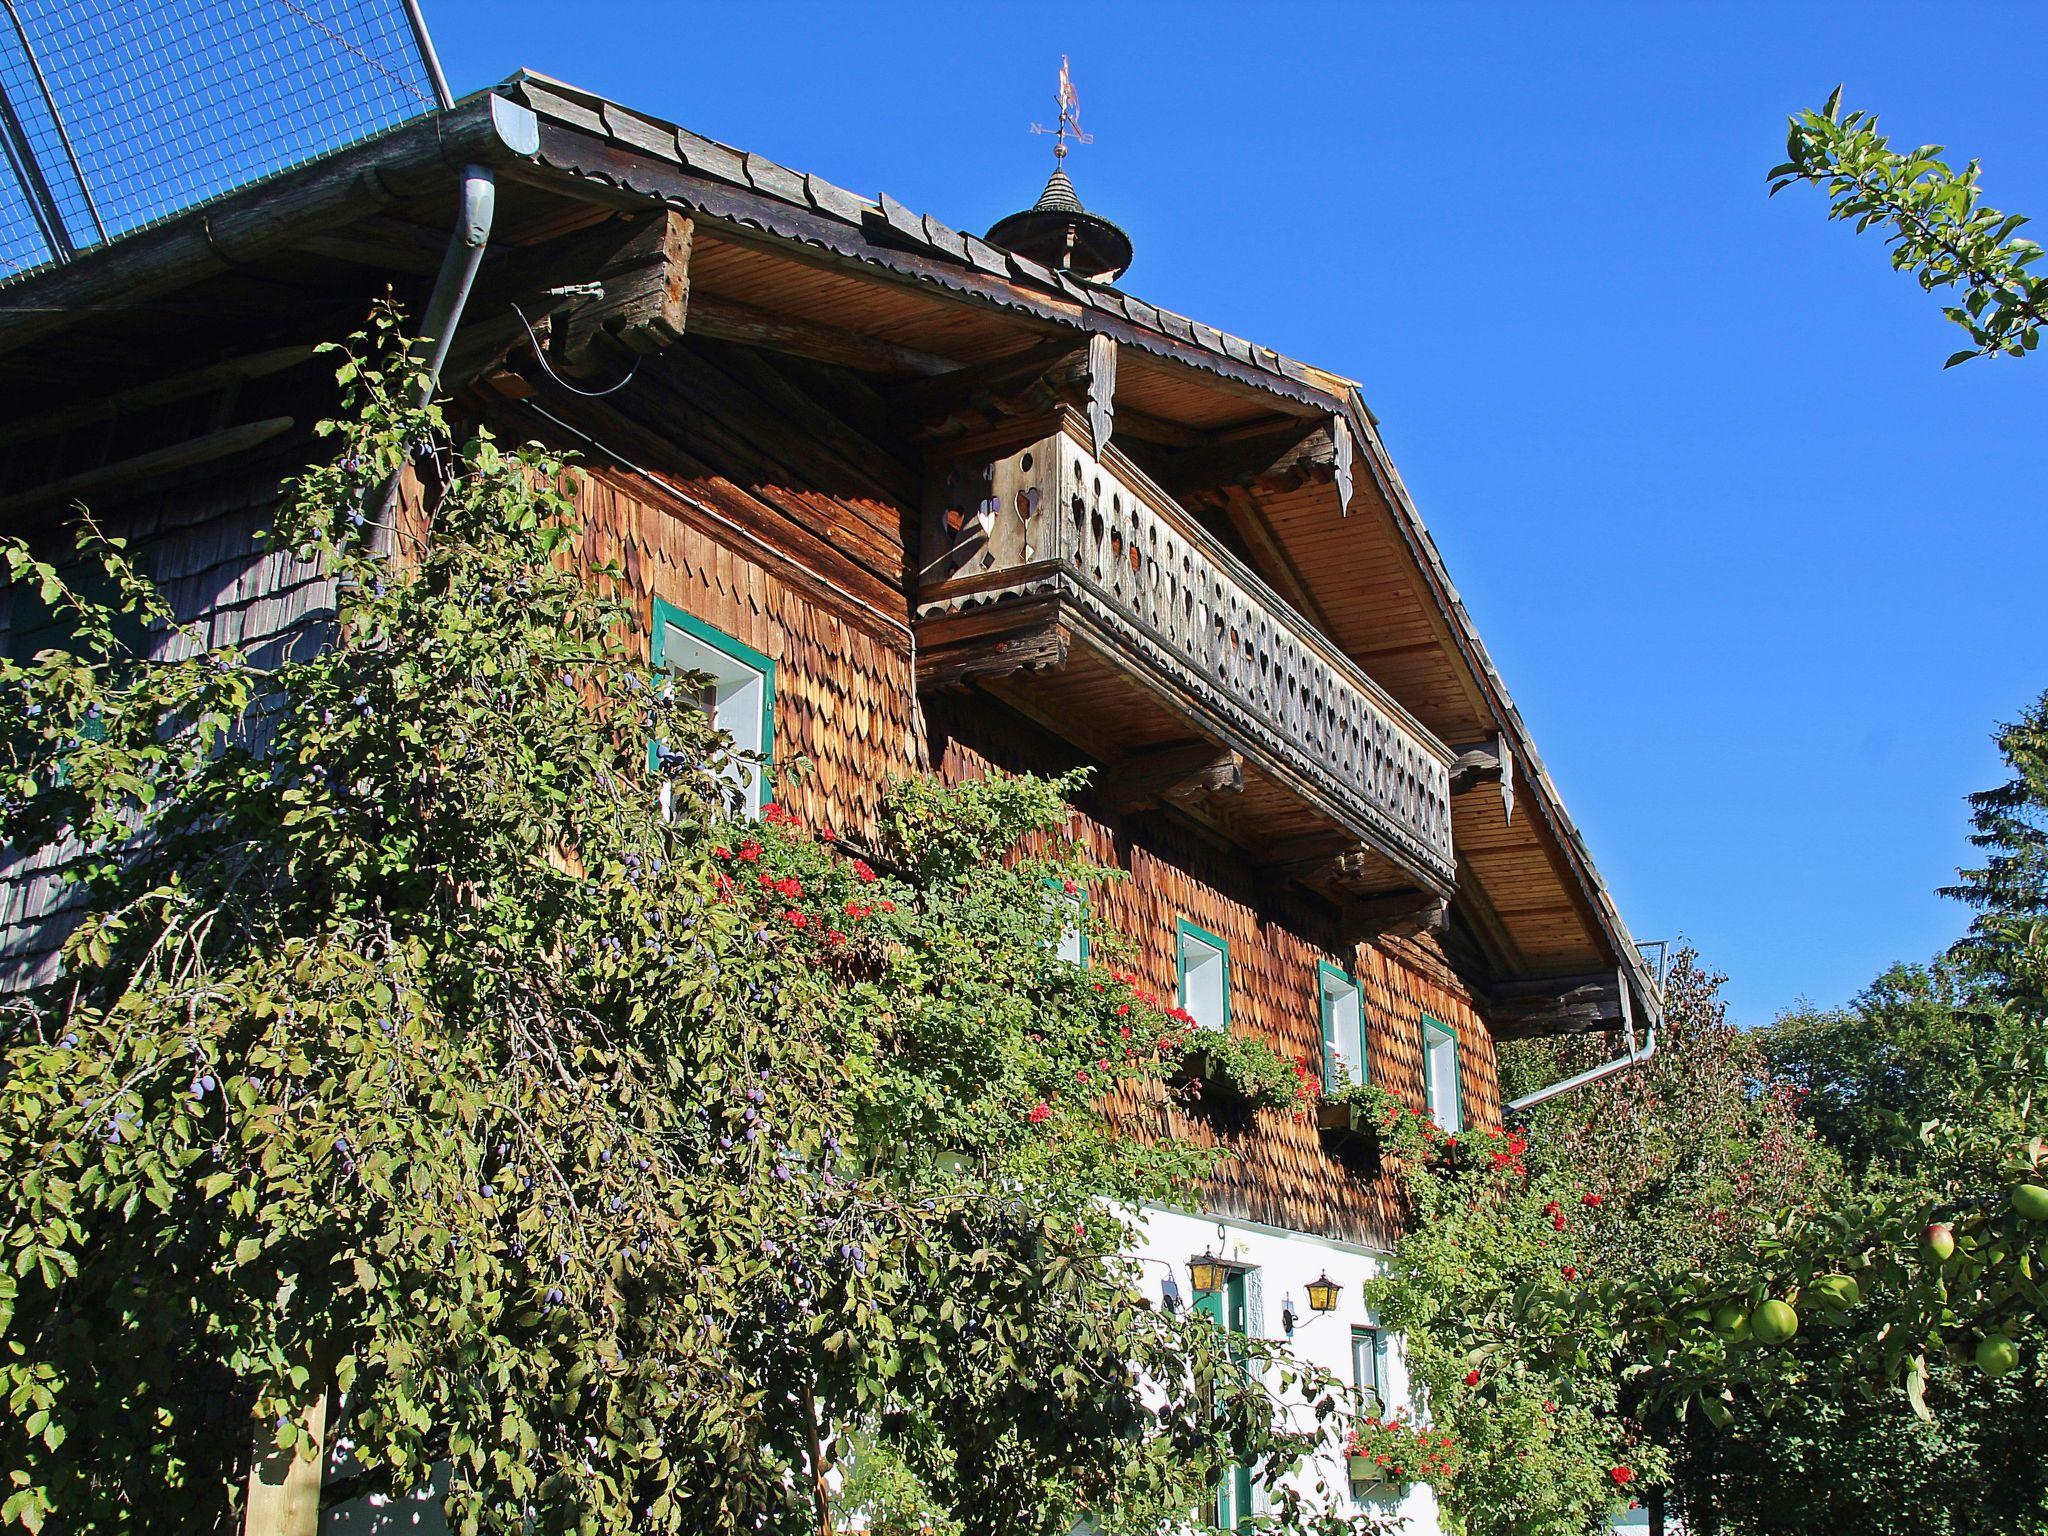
(796, 919)
(1622, 1476)
(1040, 1113)
(1569, 1272)
(865, 875)
(1471, 1378)
(1589, 1200)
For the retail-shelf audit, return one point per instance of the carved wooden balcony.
(1082, 594)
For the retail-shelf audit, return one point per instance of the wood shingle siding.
(1279, 1172)
(199, 541)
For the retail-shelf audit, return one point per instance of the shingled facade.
(921, 504)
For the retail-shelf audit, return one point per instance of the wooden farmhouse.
(918, 501)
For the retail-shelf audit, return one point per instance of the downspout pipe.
(452, 286)
(1634, 1056)
(464, 255)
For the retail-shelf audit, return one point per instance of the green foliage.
(1234, 1072)
(1939, 229)
(1480, 1288)
(2009, 824)
(643, 1167)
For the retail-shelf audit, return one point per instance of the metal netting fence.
(115, 115)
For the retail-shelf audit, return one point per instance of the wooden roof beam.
(1557, 1005)
(1270, 458)
(1187, 770)
(1036, 384)
(720, 319)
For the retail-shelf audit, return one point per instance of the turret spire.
(1057, 230)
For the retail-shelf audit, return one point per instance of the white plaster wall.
(1284, 1262)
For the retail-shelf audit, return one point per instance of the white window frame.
(1342, 1004)
(741, 701)
(1202, 961)
(1441, 1088)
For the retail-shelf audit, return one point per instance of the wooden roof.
(785, 259)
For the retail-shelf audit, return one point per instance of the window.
(740, 698)
(1343, 1027)
(1204, 976)
(1071, 908)
(1440, 1074)
(1230, 1309)
(1368, 1361)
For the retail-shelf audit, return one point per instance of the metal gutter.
(412, 160)
(1634, 1056)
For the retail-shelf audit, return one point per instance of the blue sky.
(1760, 574)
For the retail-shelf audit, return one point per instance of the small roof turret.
(1057, 231)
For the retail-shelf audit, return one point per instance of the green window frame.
(742, 682)
(1071, 907)
(1368, 1367)
(1195, 949)
(1340, 1003)
(1230, 1310)
(1443, 1088)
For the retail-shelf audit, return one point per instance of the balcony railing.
(1098, 547)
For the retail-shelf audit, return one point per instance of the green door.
(1230, 1311)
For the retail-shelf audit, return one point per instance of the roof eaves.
(580, 109)
(1550, 803)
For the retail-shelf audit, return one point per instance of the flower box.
(1349, 1134)
(1205, 1083)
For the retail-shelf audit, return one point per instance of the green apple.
(1997, 1355)
(1773, 1322)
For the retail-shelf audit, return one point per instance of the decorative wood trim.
(646, 299)
(1049, 523)
(1491, 763)
(1166, 773)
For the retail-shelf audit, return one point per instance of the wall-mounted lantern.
(1322, 1293)
(1208, 1272)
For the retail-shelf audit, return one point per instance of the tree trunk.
(821, 1490)
(284, 1486)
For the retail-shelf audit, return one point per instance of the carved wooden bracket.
(1019, 388)
(1340, 444)
(1491, 763)
(1188, 770)
(1101, 391)
(1556, 1005)
(1402, 914)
